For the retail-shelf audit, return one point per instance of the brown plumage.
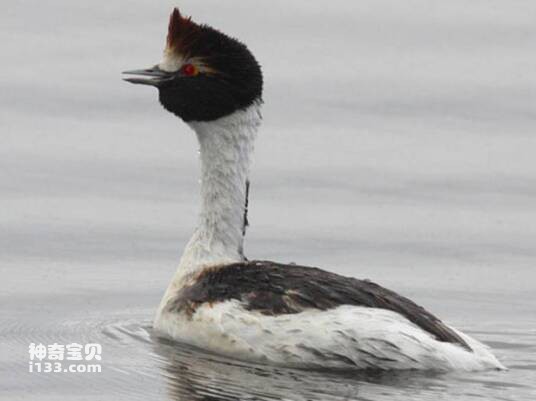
(277, 289)
(182, 33)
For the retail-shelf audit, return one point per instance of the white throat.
(226, 147)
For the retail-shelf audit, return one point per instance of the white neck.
(226, 147)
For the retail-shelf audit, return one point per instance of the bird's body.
(306, 317)
(264, 311)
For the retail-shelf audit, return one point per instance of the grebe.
(263, 311)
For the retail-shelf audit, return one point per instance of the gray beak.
(155, 76)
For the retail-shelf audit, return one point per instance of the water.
(137, 365)
(398, 145)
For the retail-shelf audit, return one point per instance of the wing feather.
(274, 289)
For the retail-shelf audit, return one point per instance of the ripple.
(510, 345)
(125, 331)
(139, 365)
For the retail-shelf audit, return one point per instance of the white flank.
(347, 337)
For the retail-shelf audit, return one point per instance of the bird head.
(204, 74)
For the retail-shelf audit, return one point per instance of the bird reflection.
(194, 375)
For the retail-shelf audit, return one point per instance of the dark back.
(275, 289)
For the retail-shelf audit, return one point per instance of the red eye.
(189, 70)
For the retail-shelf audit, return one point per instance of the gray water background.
(398, 145)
